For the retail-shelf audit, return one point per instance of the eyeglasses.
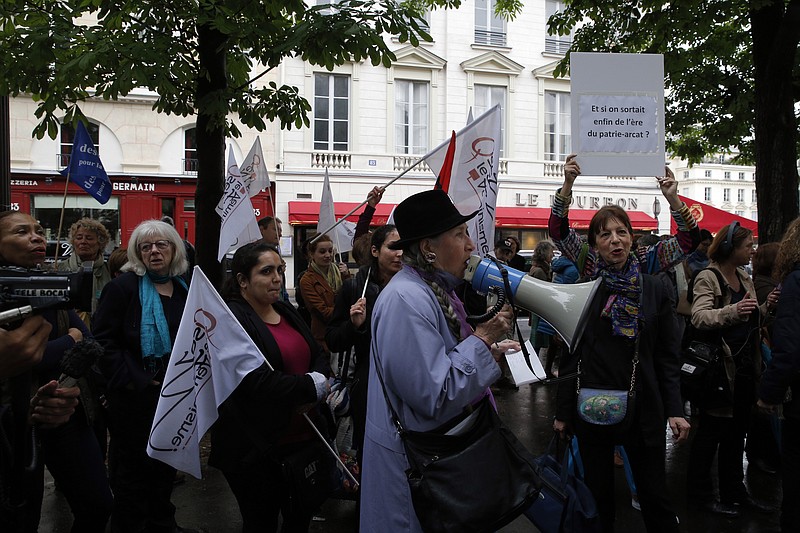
(162, 245)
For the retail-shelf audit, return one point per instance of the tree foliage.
(201, 57)
(731, 80)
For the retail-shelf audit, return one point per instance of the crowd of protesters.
(402, 309)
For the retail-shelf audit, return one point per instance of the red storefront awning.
(712, 219)
(307, 213)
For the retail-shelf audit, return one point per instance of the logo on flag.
(212, 354)
(473, 177)
(239, 224)
(85, 168)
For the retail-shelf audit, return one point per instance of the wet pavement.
(528, 411)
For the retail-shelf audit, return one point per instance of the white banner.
(473, 181)
(211, 356)
(342, 235)
(254, 170)
(239, 225)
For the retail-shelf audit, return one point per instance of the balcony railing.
(402, 163)
(553, 169)
(492, 38)
(189, 167)
(330, 160)
(556, 46)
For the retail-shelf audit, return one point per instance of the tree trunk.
(210, 150)
(775, 34)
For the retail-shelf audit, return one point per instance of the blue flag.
(85, 167)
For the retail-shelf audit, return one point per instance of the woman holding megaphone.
(628, 383)
(428, 364)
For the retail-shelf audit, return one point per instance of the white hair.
(148, 230)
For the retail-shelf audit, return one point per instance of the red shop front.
(133, 199)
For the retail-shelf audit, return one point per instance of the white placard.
(617, 108)
(520, 371)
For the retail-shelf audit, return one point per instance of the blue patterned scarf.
(623, 307)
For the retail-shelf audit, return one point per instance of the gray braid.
(413, 257)
(447, 309)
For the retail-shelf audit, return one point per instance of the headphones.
(727, 245)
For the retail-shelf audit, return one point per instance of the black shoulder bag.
(703, 378)
(470, 474)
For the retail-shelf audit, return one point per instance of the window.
(740, 195)
(754, 215)
(68, 137)
(685, 191)
(686, 174)
(708, 173)
(726, 195)
(707, 194)
(727, 175)
(489, 28)
(331, 112)
(739, 213)
(557, 137)
(411, 117)
(190, 151)
(741, 175)
(486, 97)
(556, 44)
(753, 176)
(753, 196)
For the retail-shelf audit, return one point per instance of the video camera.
(24, 291)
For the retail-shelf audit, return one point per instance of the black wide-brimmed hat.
(425, 214)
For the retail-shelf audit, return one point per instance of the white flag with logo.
(212, 354)
(239, 225)
(254, 170)
(342, 235)
(473, 180)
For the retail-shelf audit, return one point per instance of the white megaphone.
(563, 306)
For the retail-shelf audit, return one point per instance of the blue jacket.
(564, 272)
(784, 370)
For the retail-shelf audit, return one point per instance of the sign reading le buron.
(617, 108)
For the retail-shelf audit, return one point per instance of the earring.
(430, 257)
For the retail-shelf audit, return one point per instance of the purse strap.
(635, 365)
(395, 418)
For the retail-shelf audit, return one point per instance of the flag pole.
(369, 196)
(61, 222)
(325, 441)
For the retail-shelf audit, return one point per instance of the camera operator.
(68, 446)
(23, 347)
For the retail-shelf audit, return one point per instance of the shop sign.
(580, 201)
(121, 186)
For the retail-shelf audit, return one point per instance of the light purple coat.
(429, 379)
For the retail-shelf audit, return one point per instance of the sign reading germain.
(579, 201)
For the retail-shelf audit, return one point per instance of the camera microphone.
(77, 361)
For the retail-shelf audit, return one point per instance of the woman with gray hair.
(88, 238)
(136, 321)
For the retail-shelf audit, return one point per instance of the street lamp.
(656, 212)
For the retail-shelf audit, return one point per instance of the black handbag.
(311, 477)
(469, 475)
(704, 381)
(565, 503)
